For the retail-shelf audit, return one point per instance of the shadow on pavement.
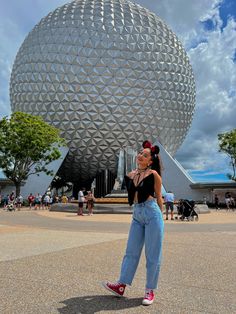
(95, 303)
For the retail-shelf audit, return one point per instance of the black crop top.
(145, 188)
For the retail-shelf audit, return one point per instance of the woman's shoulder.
(131, 174)
(156, 175)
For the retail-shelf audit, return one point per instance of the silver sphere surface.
(109, 74)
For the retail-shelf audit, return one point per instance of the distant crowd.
(87, 199)
(36, 201)
(229, 201)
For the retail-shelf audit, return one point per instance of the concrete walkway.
(53, 263)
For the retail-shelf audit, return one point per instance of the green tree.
(27, 146)
(227, 144)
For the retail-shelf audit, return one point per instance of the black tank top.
(145, 188)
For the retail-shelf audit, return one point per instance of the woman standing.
(81, 199)
(90, 202)
(147, 227)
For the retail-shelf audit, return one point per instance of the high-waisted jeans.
(147, 228)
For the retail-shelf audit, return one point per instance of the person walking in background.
(46, 201)
(64, 199)
(12, 198)
(227, 200)
(40, 198)
(31, 200)
(81, 200)
(217, 202)
(19, 201)
(6, 201)
(56, 198)
(147, 227)
(169, 203)
(90, 202)
(37, 201)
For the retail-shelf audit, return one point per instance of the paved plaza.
(54, 262)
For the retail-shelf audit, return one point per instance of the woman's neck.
(142, 169)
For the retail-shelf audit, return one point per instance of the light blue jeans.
(147, 228)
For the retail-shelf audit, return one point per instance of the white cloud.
(183, 16)
(215, 74)
(211, 55)
(8, 47)
(17, 18)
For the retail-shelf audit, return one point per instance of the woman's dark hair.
(156, 164)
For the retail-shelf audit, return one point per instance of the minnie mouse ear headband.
(154, 149)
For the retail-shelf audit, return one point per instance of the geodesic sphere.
(109, 74)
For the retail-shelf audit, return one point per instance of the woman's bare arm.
(157, 188)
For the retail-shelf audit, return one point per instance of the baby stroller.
(10, 207)
(186, 210)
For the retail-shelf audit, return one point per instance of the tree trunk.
(17, 185)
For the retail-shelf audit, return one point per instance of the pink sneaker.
(148, 298)
(116, 288)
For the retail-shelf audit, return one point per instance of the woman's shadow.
(95, 303)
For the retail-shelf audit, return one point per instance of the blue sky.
(207, 29)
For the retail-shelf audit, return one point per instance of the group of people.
(34, 201)
(85, 197)
(12, 200)
(229, 201)
(39, 201)
(169, 203)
